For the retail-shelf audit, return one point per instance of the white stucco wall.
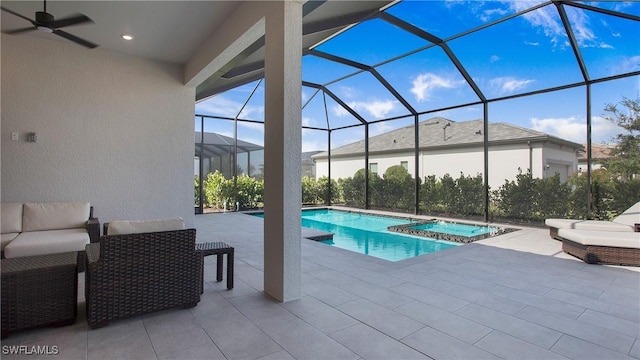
(113, 130)
(468, 161)
(504, 162)
(559, 160)
(345, 168)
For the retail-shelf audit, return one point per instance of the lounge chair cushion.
(143, 226)
(47, 242)
(596, 225)
(602, 238)
(630, 216)
(55, 216)
(11, 217)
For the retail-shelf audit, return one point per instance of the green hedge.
(525, 198)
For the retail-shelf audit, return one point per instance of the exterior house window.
(405, 165)
(373, 167)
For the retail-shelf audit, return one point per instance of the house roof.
(598, 151)
(216, 145)
(440, 133)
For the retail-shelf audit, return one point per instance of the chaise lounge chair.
(628, 221)
(602, 247)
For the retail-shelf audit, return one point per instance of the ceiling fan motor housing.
(44, 20)
(44, 17)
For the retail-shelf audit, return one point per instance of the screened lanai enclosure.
(485, 109)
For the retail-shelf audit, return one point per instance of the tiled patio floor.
(516, 296)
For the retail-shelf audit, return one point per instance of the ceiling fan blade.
(71, 20)
(16, 14)
(75, 39)
(18, 31)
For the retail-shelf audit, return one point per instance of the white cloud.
(339, 111)
(375, 108)
(544, 18)
(313, 141)
(218, 105)
(425, 84)
(508, 84)
(313, 122)
(494, 58)
(488, 15)
(629, 64)
(252, 112)
(532, 43)
(221, 105)
(347, 92)
(307, 121)
(549, 23)
(575, 129)
(580, 25)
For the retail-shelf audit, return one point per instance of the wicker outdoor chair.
(134, 274)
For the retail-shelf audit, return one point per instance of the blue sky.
(524, 54)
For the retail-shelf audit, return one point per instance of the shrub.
(218, 191)
(250, 192)
(323, 189)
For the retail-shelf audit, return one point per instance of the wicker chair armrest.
(93, 253)
(93, 228)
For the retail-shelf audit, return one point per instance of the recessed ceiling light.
(127, 37)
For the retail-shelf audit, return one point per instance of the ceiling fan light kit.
(46, 22)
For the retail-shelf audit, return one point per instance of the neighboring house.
(599, 153)
(449, 147)
(308, 164)
(216, 153)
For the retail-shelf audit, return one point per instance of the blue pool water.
(367, 234)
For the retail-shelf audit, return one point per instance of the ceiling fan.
(45, 22)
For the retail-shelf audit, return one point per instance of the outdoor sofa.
(32, 229)
(140, 267)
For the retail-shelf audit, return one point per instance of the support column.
(283, 146)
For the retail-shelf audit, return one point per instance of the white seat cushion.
(630, 216)
(602, 238)
(121, 227)
(11, 217)
(55, 216)
(7, 238)
(596, 225)
(47, 242)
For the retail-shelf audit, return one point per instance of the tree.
(625, 155)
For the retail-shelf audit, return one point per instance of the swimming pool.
(368, 234)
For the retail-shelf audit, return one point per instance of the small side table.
(219, 249)
(39, 291)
